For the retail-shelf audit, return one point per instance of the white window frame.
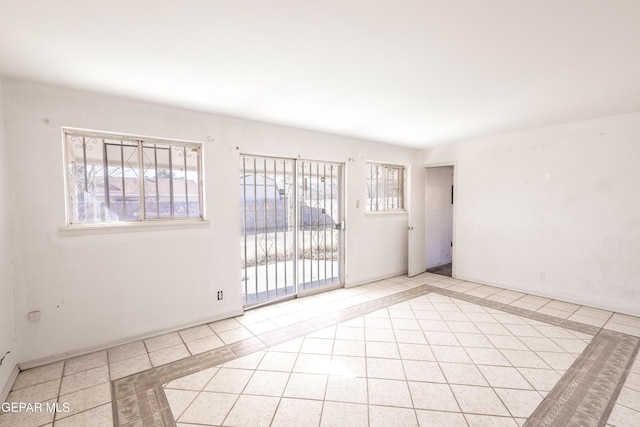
(379, 203)
(144, 222)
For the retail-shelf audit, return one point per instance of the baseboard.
(9, 384)
(375, 279)
(560, 297)
(92, 349)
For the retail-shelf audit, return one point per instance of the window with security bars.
(385, 187)
(118, 178)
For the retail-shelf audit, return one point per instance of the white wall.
(553, 211)
(100, 289)
(438, 215)
(7, 323)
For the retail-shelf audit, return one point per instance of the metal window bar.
(265, 232)
(155, 165)
(385, 188)
(396, 188)
(84, 165)
(255, 220)
(370, 188)
(391, 184)
(172, 207)
(275, 205)
(324, 217)
(244, 211)
(391, 175)
(200, 193)
(295, 207)
(318, 217)
(333, 221)
(285, 222)
(378, 188)
(301, 205)
(402, 192)
(383, 181)
(400, 188)
(105, 168)
(141, 201)
(374, 185)
(124, 194)
(120, 146)
(111, 166)
(390, 193)
(186, 181)
(310, 226)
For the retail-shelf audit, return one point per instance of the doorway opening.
(439, 204)
(292, 234)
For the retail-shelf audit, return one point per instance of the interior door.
(416, 228)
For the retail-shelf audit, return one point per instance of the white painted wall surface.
(100, 289)
(438, 215)
(553, 211)
(7, 322)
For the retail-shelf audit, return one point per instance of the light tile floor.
(432, 359)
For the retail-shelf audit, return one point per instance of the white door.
(416, 228)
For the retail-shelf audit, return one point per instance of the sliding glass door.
(291, 227)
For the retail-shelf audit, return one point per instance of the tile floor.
(429, 350)
(442, 270)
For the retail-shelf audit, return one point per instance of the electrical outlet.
(34, 316)
(220, 295)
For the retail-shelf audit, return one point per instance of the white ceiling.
(408, 72)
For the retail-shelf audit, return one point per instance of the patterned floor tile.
(422, 350)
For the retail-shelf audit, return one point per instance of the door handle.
(410, 228)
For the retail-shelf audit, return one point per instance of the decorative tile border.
(586, 393)
(584, 396)
(518, 311)
(139, 400)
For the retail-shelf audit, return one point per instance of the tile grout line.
(114, 405)
(571, 376)
(357, 311)
(518, 311)
(327, 320)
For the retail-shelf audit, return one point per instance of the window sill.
(130, 227)
(386, 213)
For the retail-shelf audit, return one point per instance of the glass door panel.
(291, 227)
(319, 224)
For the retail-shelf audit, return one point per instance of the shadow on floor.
(443, 270)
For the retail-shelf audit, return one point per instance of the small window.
(385, 187)
(118, 178)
